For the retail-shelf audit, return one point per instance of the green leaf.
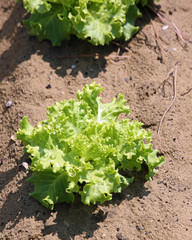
(69, 117)
(53, 25)
(50, 188)
(89, 95)
(25, 131)
(40, 6)
(102, 112)
(98, 21)
(153, 162)
(128, 28)
(101, 182)
(110, 111)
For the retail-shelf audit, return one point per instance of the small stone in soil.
(128, 79)
(25, 165)
(9, 104)
(119, 236)
(48, 86)
(13, 138)
(1, 160)
(73, 66)
(139, 228)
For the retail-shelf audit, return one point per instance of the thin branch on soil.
(173, 70)
(171, 24)
(179, 33)
(102, 55)
(97, 56)
(118, 53)
(157, 39)
(189, 90)
(119, 45)
(166, 79)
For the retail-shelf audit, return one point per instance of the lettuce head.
(82, 148)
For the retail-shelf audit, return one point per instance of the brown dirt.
(160, 209)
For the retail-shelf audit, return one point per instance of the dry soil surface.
(33, 75)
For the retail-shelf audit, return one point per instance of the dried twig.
(174, 69)
(118, 53)
(157, 39)
(179, 33)
(93, 56)
(166, 79)
(121, 46)
(189, 90)
(171, 24)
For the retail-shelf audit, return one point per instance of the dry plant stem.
(94, 55)
(118, 53)
(174, 95)
(166, 79)
(119, 45)
(189, 90)
(179, 33)
(157, 39)
(171, 24)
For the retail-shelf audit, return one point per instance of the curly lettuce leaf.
(40, 6)
(97, 21)
(83, 148)
(50, 188)
(129, 28)
(101, 182)
(102, 112)
(52, 24)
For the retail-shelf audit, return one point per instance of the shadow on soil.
(71, 53)
(88, 59)
(67, 220)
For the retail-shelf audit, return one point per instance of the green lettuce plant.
(83, 149)
(98, 21)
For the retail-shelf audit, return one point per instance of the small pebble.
(25, 165)
(165, 27)
(73, 66)
(174, 49)
(119, 236)
(128, 79)
(9, 104)
(139, 228)
(13, 138)
(48, 86)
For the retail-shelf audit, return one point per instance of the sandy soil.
(33, 75)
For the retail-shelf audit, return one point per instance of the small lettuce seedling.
(83, 149)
